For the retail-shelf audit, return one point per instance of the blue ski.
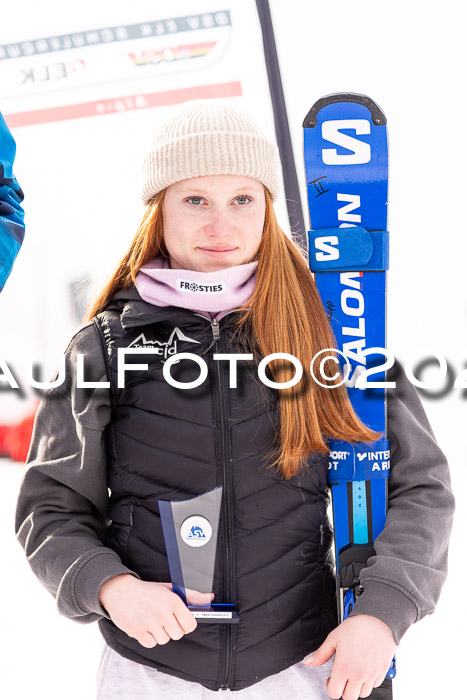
(346, 165)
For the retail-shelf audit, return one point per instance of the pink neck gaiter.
(209, 293)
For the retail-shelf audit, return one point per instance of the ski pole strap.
(358, 461)
(348, 249)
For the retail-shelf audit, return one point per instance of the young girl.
(210, 272)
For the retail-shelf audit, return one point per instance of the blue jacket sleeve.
(11, 211)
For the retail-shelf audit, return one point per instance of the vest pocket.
(325, 537)
(118, 532)
(326, 563)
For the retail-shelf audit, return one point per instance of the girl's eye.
(242, 199)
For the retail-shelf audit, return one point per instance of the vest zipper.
(216, 332)
(228, 586)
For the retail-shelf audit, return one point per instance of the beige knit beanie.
(209, 137)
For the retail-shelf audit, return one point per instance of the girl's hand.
(364, 648)
(149, 612)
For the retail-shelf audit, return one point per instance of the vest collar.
(137, 312)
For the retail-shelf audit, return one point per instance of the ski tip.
(377, 115)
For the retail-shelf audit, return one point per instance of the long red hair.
(284, 314)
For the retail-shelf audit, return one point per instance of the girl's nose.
(218, 225)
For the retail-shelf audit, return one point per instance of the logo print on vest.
(190, 287)
(196, 531)
(164, 350)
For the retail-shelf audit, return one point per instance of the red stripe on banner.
(123, 104)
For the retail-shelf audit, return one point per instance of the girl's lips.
(217, 252)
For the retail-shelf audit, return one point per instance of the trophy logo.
(190, 533)
(196, 531)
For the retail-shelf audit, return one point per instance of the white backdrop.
(408, 57)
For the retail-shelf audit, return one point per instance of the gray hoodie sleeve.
(63, 499)
(403, 581)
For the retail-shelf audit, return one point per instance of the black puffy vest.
(273, 557)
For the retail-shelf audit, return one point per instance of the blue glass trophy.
(190, 532)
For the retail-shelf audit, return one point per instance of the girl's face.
(213, 221)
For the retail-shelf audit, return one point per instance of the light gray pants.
(121, 679)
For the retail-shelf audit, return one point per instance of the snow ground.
(45, 656)
(42, 654)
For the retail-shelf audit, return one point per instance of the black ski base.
(383, 692)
